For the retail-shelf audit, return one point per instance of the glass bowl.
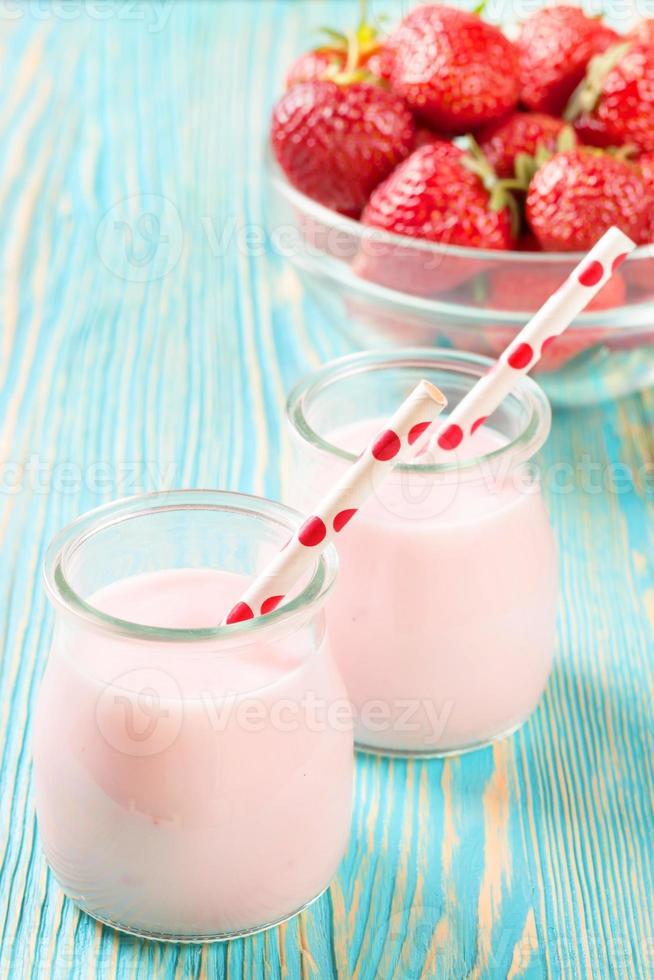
(398, 291)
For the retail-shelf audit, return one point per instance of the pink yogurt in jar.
(192, 782)
(443, 619)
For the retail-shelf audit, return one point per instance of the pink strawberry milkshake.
(191, 782)
(443, 619)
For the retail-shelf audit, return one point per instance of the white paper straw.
(584, 282)
(392, 445)
(415, 416)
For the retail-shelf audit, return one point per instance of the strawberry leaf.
(358, 44)
(627, 152)
(524, 167)
(586, 95)
(499, 191)
(566, 140)
(339, 40)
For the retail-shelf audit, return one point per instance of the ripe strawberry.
(616, 98)
(527, 242)
(425, 137)
(555, 45)
(520, 132)
(576, 196)
(591, 132)
(312, 65)
(643, 32)
(453, 69)
(336, 142)
(645, 163)
(380, 62)
(537, 282)
(639, 271)
(435, 197)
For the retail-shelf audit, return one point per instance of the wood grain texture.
(136, 356)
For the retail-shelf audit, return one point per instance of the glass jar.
(192, 782)
(443, 619)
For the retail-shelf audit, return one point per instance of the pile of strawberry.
(448, 131)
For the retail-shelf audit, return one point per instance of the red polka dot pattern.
(477, 423)
(592, 274)
(617, 261)
(546, 343)
(386, 445)
(239, 613)
(416, 431)
(343, 517)
(450, 437)
(312, 532)
(521, 356)
(270, 603)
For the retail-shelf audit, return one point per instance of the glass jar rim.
(525, 391)
(66, 542)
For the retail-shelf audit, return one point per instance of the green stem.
(352, 52)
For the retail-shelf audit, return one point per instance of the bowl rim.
(630, 317)
(353, 227)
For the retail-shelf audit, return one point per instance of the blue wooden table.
(138, 353)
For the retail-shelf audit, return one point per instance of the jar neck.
(174, 529)
(372, 384)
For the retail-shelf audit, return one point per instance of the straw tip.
(617, 237)
(434, 393)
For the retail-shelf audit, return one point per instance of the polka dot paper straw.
(592, 273)
(391, 446)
